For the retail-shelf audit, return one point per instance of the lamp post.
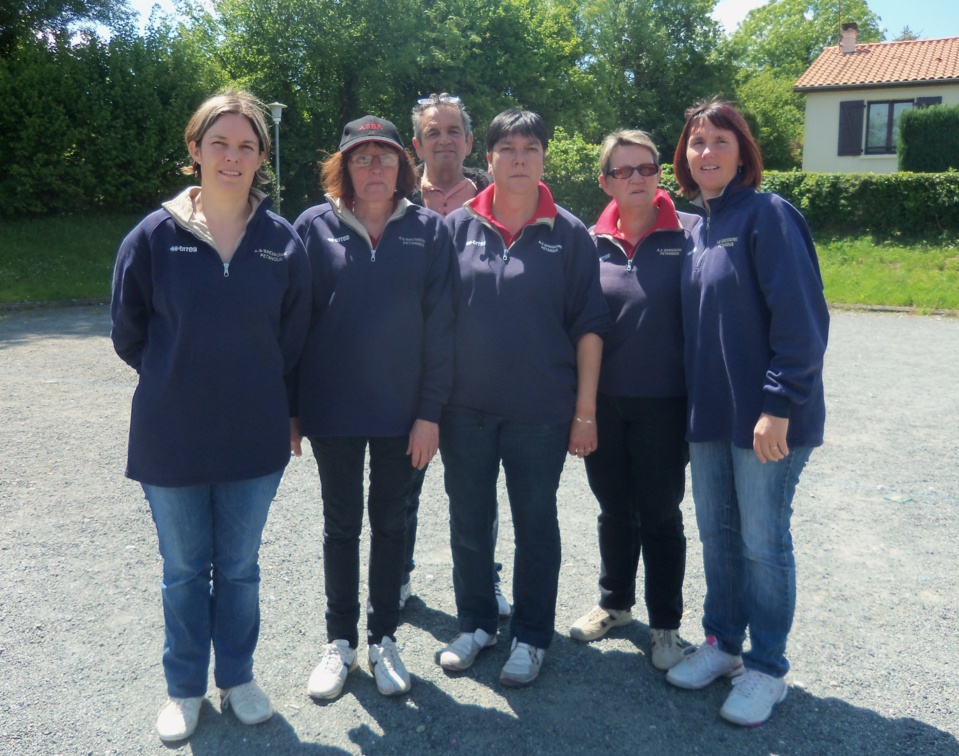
(276, 108)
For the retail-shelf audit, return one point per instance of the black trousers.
(638, 475)
(392, 476)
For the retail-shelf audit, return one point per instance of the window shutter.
(928, 102)
(850, 126)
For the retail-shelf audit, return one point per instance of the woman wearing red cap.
(375, 373)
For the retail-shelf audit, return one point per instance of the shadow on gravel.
(222, 735)
(61, 323)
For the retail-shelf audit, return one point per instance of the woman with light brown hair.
(211, 303)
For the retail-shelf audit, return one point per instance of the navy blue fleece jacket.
(520, 310)
(212, 344)
(755, 320)
(379, 354)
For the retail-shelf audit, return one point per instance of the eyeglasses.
(437, 99)
(625, 171)
(386, 160)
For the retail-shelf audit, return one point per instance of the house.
(856, 93)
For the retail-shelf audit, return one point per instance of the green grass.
(51, 259)
(893, 274)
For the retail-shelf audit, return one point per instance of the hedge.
(903, 206)
(929, 139)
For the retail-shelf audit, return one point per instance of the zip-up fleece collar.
(481, 208)
(182, 209)
(344, 213)
(666, 220)
(733, 192)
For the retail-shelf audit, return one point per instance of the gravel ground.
(872, 649)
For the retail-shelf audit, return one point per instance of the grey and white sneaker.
(248, 701)
(753, 697)
(388, 670)
(462, 652)
(177, 718)
(705, 665)
(336, 663)
(523, 664)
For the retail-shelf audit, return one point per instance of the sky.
(929, 19)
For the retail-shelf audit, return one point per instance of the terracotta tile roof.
(882, 63)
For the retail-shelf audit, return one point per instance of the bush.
(886, 206)
(929, 140)
(903, 206)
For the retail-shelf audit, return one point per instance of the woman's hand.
(769, 438)
(424, 441)
(582, 437)
(296, 446)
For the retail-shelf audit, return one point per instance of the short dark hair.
(515, 121)
(722, 115)
(335, 176)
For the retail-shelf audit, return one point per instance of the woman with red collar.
(529, 320)
(638, 471)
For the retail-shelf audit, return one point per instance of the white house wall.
(821, 139)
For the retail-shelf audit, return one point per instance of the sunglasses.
(387, 160)
(436, 99)
(625, 171)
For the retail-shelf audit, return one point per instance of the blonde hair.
(228, 102)
(625, 138)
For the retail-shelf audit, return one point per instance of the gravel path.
(873, 648)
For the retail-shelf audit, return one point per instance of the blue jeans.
(210, 543)
(392, 477)
(743, 509)
(473, 445)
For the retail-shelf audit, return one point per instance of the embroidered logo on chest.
(412, 241)
(338, 239)
(550, 248)
(269, 254)
(178, 248)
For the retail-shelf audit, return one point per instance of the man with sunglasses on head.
(443, 138)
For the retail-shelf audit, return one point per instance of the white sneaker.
(668, 648)
(337, 661)
(502, 605)
(391, 676)
(462, 652)
(706, 664)
(753, 697)
(523, 665)
(248, 701)
(597, 622)
(406, 591)
(178, 717)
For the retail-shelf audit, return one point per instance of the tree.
(23, 20)
(788, 35)
(650, 60)
(908, 35)
(772, 48)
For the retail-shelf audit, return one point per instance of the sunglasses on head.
(438, 99)
(625, 171)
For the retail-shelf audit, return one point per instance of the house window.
(882, 126)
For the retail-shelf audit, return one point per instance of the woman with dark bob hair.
(638, 471)
(376, 370)
(211, 304)
(529, 320)
(756, 326)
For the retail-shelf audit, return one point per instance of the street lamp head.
(276, 108)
